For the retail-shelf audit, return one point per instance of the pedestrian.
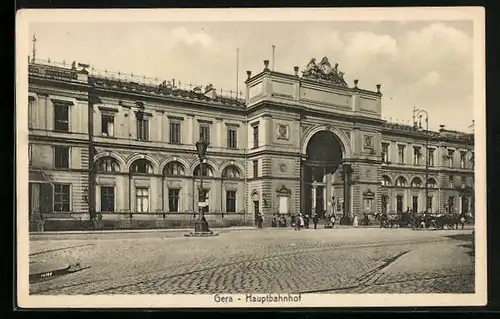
(355, 221)
(260, 219)
(332, 220)
(462, 221)
(297, 222)
(306, 221)
(302, 222)
(315, 221)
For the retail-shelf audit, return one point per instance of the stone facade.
(145, 161)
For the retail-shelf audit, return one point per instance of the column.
(328, 194)
(313, 208)
(459, 210)
(325, 198)
(302, 185)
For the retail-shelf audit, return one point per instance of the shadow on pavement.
(462, 237)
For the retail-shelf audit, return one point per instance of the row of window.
(450, 207)
(418, 155)
(62, 199)
(143, 166)
(417, 182)
(61, 124)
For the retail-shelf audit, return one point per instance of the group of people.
(300, 221)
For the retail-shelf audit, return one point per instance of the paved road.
(265, 261)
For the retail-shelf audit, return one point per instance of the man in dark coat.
(315, 221)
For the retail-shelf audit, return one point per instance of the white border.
(24, 17)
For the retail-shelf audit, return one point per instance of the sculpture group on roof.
(324, 72)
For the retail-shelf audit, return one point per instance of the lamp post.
(421, 112)
(201, 224)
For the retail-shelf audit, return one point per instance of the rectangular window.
(142, 199)
(399, 204)
(231, 201)
(255, 168)
(429, 204)
(173, 200)
(451, 154)
(62, 199)
(451, 182)
(107, 199)
(416, 155)
(401, 154)
(31, 105)
(143, 129)
(205, 132)
(61, 117)
(255, 136)
(431, 156)
(231, 138)
(463, 182)
(61, 156)
(107, 125)
(30, 151)
(175, 132)
(385, 152)
(462, 160)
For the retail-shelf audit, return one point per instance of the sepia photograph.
(251, 158)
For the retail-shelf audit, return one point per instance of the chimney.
(378, 88)
(441, 127)
(249, 75)
(296, 70)
(356, 83)
(173, 83)
(266, 65)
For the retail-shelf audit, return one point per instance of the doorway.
(256, 211)
(414, 204)
(465, 205)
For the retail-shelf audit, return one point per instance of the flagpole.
(237, 67)
(272, 67)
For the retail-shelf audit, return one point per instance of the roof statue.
(324, 72)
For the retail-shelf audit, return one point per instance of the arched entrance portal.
(323, 157)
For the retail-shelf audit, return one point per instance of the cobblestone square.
(263, 261)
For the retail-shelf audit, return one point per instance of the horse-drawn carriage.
(421, 220)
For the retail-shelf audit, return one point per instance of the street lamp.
(421, 112)
(201, 224)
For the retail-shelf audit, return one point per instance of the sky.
(422, 64)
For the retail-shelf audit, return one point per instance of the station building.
(305, 142)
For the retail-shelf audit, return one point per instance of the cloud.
(428, 65)
(181, 34)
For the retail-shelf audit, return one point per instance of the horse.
(386, 221)
(451, 221)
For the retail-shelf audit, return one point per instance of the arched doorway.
(323, 157)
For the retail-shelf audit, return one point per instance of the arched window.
(416, 182)
(231, 171)
(431, 183)
(386, 181)
(141, 166)
(207, 170)
(174, 169)
(107, 164)
(401, 181)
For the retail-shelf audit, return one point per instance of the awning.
(38, 177)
